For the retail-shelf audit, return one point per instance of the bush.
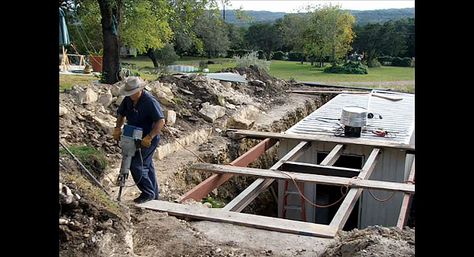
(230, 53)
(279, 55)
(252, 59)
(385, 60)
(401, 62)
(348, 68)
(295, 56)
(166, 55)
(241, 52)
(202, 64)
(261, 54)
(373, 63)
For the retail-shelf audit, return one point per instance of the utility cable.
(309, 201)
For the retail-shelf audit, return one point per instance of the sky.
(294, 5)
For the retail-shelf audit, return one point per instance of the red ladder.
(301, 208)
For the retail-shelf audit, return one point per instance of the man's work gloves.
(117, 133)
(146, 141)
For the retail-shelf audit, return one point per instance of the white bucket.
(354, 116)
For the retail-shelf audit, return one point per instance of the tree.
(145, 26)
(111, 13)
(166, 55)
(405, 29)
(391, 38)
(368, 41)
(236, 36)
(211, 29)
(292, 27)
(182, 21)
(85, 29)
(134, 23)
(329, 33)
(265, 37)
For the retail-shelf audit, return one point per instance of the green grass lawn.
(144, 63)
(67, 81)
(398, 78)
(305, 72)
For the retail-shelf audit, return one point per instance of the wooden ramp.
(244, 219)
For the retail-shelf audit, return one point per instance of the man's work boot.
(142, 199)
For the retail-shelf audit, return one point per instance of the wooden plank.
(332, 157)
(326, 138)
(249, 220)
(406, 200)
(318, 84)
(204, 188)
(301, 167)
(302, 177)
(342, 214)
(384, 96)
(315, 92)
(259, 185)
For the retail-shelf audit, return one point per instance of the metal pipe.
(87, 171)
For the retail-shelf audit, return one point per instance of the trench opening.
(266, 203)
(332, 193)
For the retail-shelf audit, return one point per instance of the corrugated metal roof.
(397, 117)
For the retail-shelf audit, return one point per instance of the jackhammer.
(130, 142)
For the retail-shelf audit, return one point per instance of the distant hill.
(380, 16)
(256, 16)
(362, 17)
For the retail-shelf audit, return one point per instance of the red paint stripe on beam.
(204, 188)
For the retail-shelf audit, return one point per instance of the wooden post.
(342, 214)
(406, 200)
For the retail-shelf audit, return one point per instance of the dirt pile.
(89, 220)
(260, 82)
(86, 120)
(87, 113)
(373, 241)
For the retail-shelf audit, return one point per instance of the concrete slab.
(281, 244)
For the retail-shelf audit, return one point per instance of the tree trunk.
(321, 64)
(151, 53)
(111, 47)
(334, 56)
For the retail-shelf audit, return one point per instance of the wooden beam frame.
(231, 214)
(342, 214)
(204, 188)
(402, 218)
(320, 169)
(333, 156)
(260, 184)
(302, 177)
(324, 138)
(249, 220)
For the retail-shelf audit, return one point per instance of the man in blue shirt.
(142, 110)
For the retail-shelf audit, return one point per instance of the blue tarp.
(63, 33)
